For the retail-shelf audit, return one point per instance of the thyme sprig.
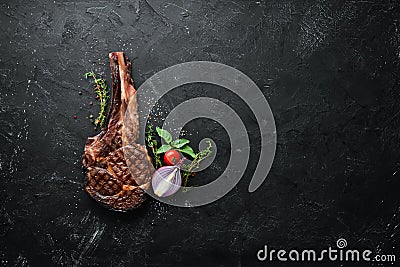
(102, 95)
(152, 143)
(196, 164)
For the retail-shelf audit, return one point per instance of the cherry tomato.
(171, 157)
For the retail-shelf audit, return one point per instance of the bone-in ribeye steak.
(108, 154)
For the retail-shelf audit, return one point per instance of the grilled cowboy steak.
(108, 154)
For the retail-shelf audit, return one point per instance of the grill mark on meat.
(118, 169)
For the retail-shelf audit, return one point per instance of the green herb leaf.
(102, 95)
(153, 146)
(89, 74)
(187, 150)
(195, 164)
(163, 149)
(164, 135)
(178, 143)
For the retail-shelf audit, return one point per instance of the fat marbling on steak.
(107, 155)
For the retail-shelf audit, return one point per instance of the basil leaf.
(187, 150)
(164, 135)
(178, 143)
(163, 148)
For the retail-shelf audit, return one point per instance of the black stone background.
(329, 69)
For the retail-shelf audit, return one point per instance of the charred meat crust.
(118, 169)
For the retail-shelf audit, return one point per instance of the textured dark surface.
(330, 71)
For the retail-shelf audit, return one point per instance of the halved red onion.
(166, 181)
